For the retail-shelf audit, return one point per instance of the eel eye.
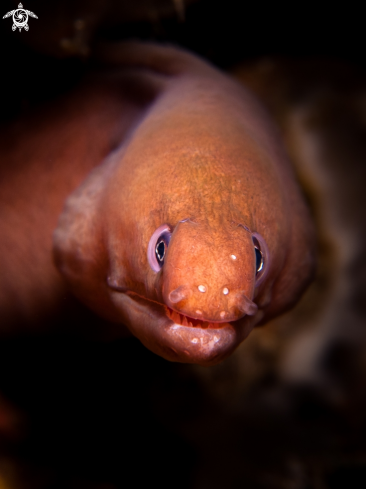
(158, 246)
(258, 260)
(160, 250)
(261, 257)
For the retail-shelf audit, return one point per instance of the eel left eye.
(258, 260)
(158, 246)
(261, 257)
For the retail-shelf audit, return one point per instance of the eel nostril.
(202, 288)
(245, 305)
(225, 291)
(178, 294)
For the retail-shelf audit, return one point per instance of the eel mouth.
(183, 320)
(177, 337)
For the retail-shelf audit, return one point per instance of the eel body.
(183, 220)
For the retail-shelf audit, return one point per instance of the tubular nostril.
(225, 291)
(178, 294)
(245, 305)
(202, 288)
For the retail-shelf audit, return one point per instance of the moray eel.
(193, 230)
(181, 220)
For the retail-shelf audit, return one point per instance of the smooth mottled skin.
(177, 143)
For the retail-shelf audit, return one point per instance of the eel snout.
(208, 277)
(220, 305)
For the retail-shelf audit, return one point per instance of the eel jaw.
(183, 320)
(150, 323)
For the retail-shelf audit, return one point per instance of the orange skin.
(179, 144)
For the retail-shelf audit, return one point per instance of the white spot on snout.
(202, 288)
(222, 314)
(225, 291)
(195, 340)
(233, 257)
(198, 312)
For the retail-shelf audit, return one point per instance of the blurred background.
(288, 409)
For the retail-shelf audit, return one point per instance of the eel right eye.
(160, 250)
(158, 246)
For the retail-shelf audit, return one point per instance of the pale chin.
(149, 323)
(205, 346)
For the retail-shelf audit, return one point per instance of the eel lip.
(148, 321)
(183, 320)
(202, 346)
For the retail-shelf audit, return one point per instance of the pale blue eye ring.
(158, 246)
